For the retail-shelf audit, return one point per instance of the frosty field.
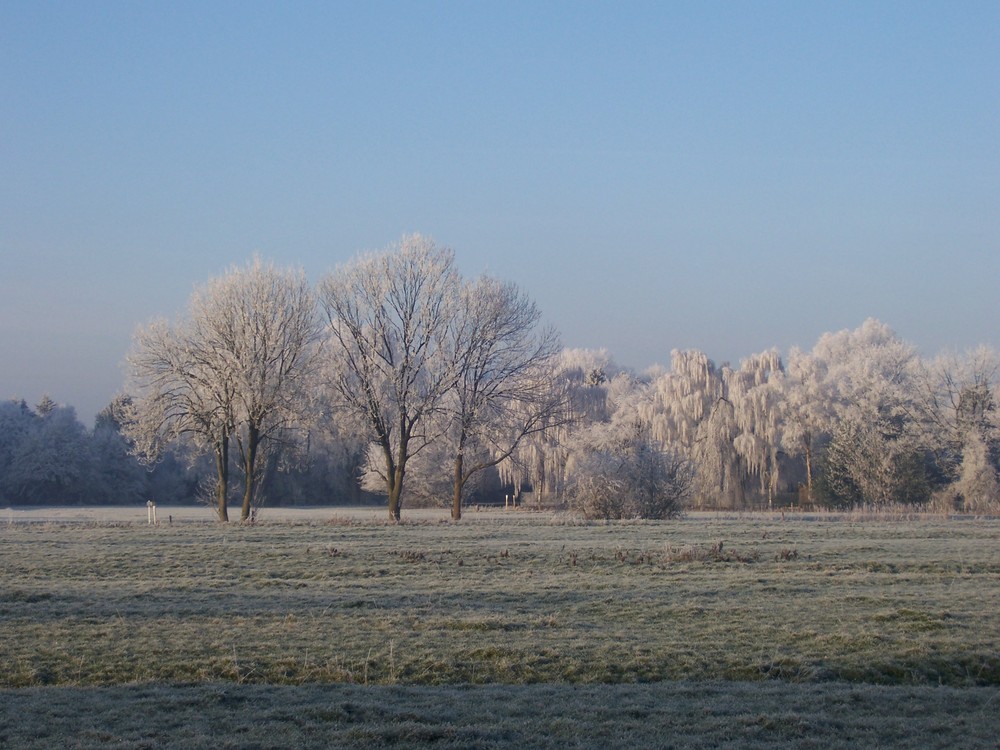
(518, 628)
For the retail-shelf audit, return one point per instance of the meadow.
(506, 628)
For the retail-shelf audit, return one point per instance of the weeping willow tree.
(582, 378)
(755, 392)
(725, 421)
(851, 414)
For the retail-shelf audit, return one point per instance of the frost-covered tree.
(754, 390)
(539, 462)
(978, 484)
(429, 477)
(237, 367)
(51, 457)
(726, 421)
(504, 389)
(390, 362)
(16, 422)
(45, 406)
(52, 462)
(807, 410)
(180, 393)
(617, 471)
(688, 409)
(956, 396)
(328, 463)
(876, 445)
(587, 373)
(683, 398)
(957, 400)
(262, 322)
(118, 476)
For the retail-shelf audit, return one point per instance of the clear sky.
(727, 176)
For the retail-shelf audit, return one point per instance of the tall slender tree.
(755, 393)
(807, 410)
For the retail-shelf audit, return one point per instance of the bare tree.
(179, 393)
(504, 387)
(262, 323)
(388, 317)
(238, 367)
(957, 404)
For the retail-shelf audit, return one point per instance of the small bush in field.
(634, 479)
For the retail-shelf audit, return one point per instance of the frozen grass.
(803, 629)
(752, 716)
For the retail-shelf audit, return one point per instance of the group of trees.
(860, 419)
(234, 373)
(48, 456)
(394, 372)
(394, 351)
(425, 360)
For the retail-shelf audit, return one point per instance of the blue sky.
(727, 176)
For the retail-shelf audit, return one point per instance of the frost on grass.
(501, 598)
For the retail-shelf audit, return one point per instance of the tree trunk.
(456, 498)
(809, 474)
(250, 470)
(395, 490)
(393, 481)
(222, 479)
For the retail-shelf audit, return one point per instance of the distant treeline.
(48, 457)
(395, 366)
(860, 419)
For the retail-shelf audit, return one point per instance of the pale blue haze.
(727, 176)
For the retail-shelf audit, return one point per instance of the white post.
(154, 513)
(149, 512)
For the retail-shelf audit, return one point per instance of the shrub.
(634, 479)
